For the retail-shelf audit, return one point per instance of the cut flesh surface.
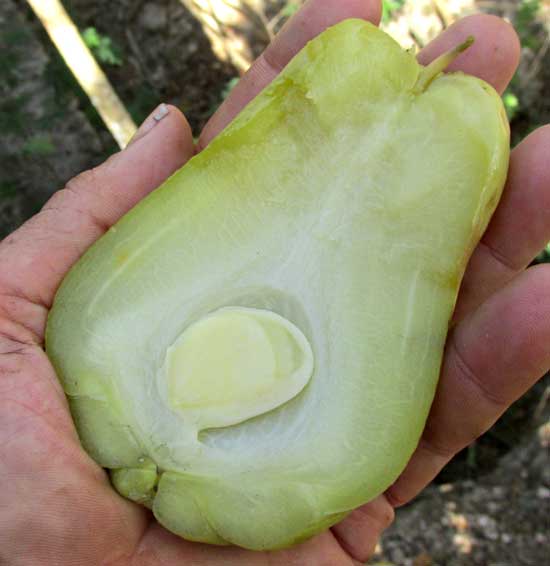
(331, 222)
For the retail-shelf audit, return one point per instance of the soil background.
(491, 505)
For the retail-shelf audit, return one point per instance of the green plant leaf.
(102, 47)
(525, 17)
(527, 12)
(39, 145)
(91, 38)
(389, 7)
(511, 103)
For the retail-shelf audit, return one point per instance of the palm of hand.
(59, 507)
(79, 518)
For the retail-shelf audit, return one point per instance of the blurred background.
(491, 506)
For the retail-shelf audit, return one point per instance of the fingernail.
(160, 112)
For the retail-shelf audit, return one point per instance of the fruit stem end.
(437, 66)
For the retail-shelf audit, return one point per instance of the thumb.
(35, 258)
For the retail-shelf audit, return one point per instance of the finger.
(492, 358)
(34, 259)
(359, 533)
(519, 229)
(314, 17)
(493, 57)
(158, 546)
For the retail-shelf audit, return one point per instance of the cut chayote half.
(254, 348)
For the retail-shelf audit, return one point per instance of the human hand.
(57, 506)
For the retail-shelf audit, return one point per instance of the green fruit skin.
(344, 201)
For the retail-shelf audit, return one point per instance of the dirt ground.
(495, 514)
(491, 506)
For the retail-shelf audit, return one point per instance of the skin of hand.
(57, 506)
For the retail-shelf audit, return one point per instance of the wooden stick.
(87, 72)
